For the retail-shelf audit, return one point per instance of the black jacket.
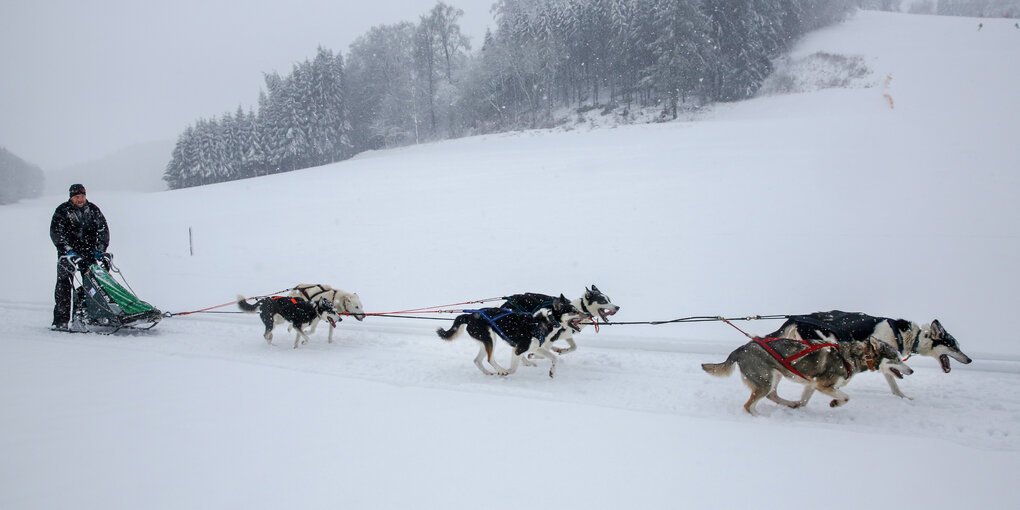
(81, 230)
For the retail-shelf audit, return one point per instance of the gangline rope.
(441, 309)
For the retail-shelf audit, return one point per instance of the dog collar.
(584, 305)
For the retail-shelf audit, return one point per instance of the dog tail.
(458, 323)
(242, 303)
(722, 369)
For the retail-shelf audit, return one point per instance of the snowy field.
(895, 196)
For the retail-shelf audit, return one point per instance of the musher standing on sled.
(78, 230)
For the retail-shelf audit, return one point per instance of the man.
(79, 231)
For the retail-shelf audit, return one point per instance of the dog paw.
(836, 403)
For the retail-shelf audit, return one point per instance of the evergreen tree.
(381, 88)
(683, 51)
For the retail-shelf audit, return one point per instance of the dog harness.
(309, 294)
(787, 362)
(506, 311)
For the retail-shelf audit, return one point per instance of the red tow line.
(224, 304)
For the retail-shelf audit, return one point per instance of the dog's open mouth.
(575, 324)
(359, 316)
(605, 313)
(897, 373)
(944, 361)
(332, 323)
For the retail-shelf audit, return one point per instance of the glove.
(71, 254)
(97, 255)
(104, 259)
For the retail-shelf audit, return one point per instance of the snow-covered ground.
(895, 199)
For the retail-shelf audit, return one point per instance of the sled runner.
(102, 305)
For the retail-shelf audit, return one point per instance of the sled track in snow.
(651, 374)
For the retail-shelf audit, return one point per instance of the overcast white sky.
(83, 79)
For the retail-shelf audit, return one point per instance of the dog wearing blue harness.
(526, 333)
(594, 303)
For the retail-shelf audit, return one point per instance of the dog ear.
(936, 330)
(594, 288)
(876, 344)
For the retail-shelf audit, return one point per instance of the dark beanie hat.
(76, 189)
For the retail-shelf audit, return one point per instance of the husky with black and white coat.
(526, 333)
(594, 303)
(295, 312)
(905, 336)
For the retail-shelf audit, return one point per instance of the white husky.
(346, 303)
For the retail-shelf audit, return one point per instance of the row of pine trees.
(411, 82)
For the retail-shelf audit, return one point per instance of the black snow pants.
(63, 290)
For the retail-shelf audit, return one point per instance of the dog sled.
(102, 304)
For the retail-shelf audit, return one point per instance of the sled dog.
(593, 303)
(907, 337)
(295, 312)
(346, 303)
(819, 364)
(526, 333)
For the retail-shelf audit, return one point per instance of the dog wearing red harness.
(297, 312)
(819, 364)
(907, 337)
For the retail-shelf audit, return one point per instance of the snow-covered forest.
(411, 82)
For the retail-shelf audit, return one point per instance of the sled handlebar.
(75, 259)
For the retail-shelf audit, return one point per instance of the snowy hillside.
(894, 196)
